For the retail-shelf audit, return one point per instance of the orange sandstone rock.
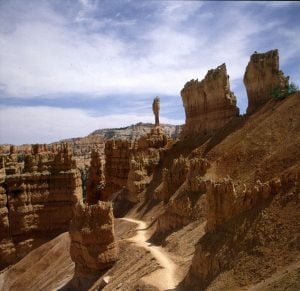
(209, 104)
(95, 179)
(37, 204)
(117, 160)
(93, 247)
(145, 156)
(261, 77)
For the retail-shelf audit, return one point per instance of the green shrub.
(281, 93)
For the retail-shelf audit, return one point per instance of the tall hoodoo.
(155, 108)
(262, 76)
(209, 104)
(93, 246)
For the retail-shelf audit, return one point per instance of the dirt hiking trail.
(164, 278)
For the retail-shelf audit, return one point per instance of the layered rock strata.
(262, 76)
(209, 104)
(95, 179)
(93, 247)
(82, 148)
(185, 185)
(6, 246)
(224, 202)
(37, 204)
(117, 160)
(145, 156)
(233, 238)
(172, 179)
(129, 165)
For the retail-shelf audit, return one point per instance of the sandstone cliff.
(82, 148)
(95, 179)
(209, 104)
(117, 160)
(129, 165)
(261, 77)
(184, 187)
(145, 156)
(37, 204)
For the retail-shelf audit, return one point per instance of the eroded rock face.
(95, 179)
(173, 178)
(82, 148)
(261, 77)
(93, 247)
(37, 204)
(254, 234)
(224, 202)
(130, 164)
(187, 199)
(145, 156)
(221, 199)
(209, 104)
(117, 160)
(7, 249)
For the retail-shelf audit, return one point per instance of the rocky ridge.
(135, 131)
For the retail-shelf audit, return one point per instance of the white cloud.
(44, 57)
(20, 125)
(46, 54)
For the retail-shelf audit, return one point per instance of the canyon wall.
(95, 178)
(129, 165)
(262, 76)
(209, 104)
(117, 160)
(184, 189)
(37, 200)
(144, 157)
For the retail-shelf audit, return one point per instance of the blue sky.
(70, 67)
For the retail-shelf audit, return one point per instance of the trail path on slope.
(164, 278)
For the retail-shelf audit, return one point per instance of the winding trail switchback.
(165, 277)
